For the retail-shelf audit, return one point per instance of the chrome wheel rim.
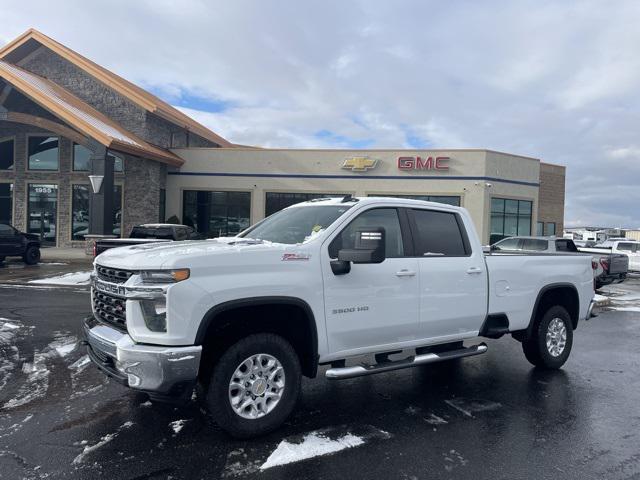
(556, 337)
(256, 386)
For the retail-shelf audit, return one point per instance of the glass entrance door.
(43, 212)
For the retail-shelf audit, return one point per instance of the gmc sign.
(419, 163)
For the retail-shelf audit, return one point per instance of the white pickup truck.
(363, 285)
(630, 248)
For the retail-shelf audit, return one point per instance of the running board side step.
(413, 361)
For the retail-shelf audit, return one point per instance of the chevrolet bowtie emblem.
(359, 164)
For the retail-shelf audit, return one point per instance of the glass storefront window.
(82, 159)
(80, 211)
(539, 229)
(43, 153)
(551, 228)
(276, 201)
(509, 218)
(447, 199)
(6, 154)
(216, 214)
(6, 203)
(42, 211)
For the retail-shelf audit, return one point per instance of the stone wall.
(551, 196)
(130, 116)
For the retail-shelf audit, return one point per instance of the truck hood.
(184, 254)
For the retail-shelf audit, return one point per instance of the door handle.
(474, 270)
(405, 273)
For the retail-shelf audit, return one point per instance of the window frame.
(28, 163)
(466, 244)
(405, 232)
(209, 191)
(11, 138)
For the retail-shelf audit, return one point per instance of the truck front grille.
(110, 309)
(113, 275)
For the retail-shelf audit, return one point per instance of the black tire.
(31, 255)
(218, 393)
(536, 349)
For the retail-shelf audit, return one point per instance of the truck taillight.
(605, 264)
(95, 249)
(594, 264)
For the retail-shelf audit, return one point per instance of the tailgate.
(618, 263)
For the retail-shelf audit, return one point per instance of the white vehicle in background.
(630, 248)
(608, 267)
(361, 286)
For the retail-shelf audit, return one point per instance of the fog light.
(155, 314)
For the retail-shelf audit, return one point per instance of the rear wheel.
(31, 255)
(551, 340)
(255, 385)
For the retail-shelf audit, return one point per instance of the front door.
(373, 304)
(43, 212)
(453, 279)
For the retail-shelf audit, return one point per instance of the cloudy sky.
(559, 81)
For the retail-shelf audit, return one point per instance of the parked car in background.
(630, 248)
(14, 243)
(148, 233)
(608, 267)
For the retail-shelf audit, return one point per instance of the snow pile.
(36, 385)
(313, 444)
(9, 354)
(103, 441)
(74, 278)
(177, 426)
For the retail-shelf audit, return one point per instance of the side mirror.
(369, 248)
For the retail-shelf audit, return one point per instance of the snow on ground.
(9, 354)
(623, 297)
(74, 278)
(177, 426)
(314, 444)
(103, 441)
(36, 384)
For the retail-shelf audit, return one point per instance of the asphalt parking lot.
(490, 417)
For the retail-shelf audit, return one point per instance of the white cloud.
(555, 80)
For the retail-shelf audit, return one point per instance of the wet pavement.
(491, 416)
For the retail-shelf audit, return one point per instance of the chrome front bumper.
(150, 368)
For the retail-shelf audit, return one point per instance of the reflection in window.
(42, 211)
(509, 218)
(216, 214)
(6, 154)
(43, 153)
(6, 202)
(80, 211)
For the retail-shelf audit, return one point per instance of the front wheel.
(31, 255)
(255, 385)
(551, 340)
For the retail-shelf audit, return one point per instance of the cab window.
(438, 234)
(377, 217)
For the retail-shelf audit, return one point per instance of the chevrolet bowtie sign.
(359, 164)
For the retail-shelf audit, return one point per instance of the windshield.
(295, 225)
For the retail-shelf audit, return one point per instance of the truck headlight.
(155, 277)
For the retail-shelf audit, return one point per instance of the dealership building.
(83, 151)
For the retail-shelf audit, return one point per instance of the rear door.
(453, 278)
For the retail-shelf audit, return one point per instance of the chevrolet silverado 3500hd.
(326, 282)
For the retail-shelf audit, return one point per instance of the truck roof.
(347, 200)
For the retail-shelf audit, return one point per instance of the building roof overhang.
(80, 116)
(29, 41)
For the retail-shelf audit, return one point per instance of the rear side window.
(566, 246)
(628, 247)
(534, 244)
(508, 244)
(438, 234)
